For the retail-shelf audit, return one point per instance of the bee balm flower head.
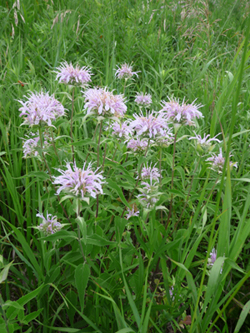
(151, 125)
(204, 144)
(104, 102)
(81, 183)
(217, 162)
(49, 225)
(125, 72)
(68, 74)
(143, 99)
(40, 108)
(181, 114)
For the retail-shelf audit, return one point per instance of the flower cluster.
(49, 225)
(132, 212)
(218, 161)
(30, 146)
(149, 172)
(143, 99)
(181, 114)
(204, 144)
(104, 102)
(149, 192)
(212, 259)
(40, 108)
(122, 130)
(68, 74)
(151, 125)
(138, 145)
(125, 72)
(79, 182)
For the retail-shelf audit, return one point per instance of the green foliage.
(102, 272)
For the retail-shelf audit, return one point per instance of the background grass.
(191, 49)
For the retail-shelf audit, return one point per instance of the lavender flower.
(132, 212)
(149, 172)
(122, 130)
(182, 114)
(137, 145)
(80, 182)
(218, 162)
(165, 139)
(143, 100)
(40, 108)
(30, 146)
(171, 292)
(150, 194)
(73, 75)
(213, 257)
(49, 225)
(150, 125)
(204, 143)
(104, 102)
(125, 72)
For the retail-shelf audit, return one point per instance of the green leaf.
(98, 240)
(4, 272)
(13, 304)
(25, 299)
(31, 316)
(115, 187)
(125, 330)
(28, 251)
(244, 313)
(213, 280)
(82, 274)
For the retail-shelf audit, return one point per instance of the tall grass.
(102, 272)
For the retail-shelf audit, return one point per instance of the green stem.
(93, 140)
(98, 146)
(172, 180)
(4, 315)
(138, 179)
(78, 229)
(98, 157)
(51, 178)
(71, 124)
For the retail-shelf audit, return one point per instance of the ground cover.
(124, 181)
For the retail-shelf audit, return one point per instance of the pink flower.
(137, 145)
(125, 72)
(73, 75)
(49, 225)
(80, 182)
(40, 108)
(121, 129)
(166, 138)
(213, 256)
(212, 259)
(183, 114)
(205, 142)
(143, 99)
(218, 162)
(30, 146)
(104, 102)
(132, 212)
(149, 195)
(150, 125)
(149, 172)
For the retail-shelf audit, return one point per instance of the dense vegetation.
(148, 239)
